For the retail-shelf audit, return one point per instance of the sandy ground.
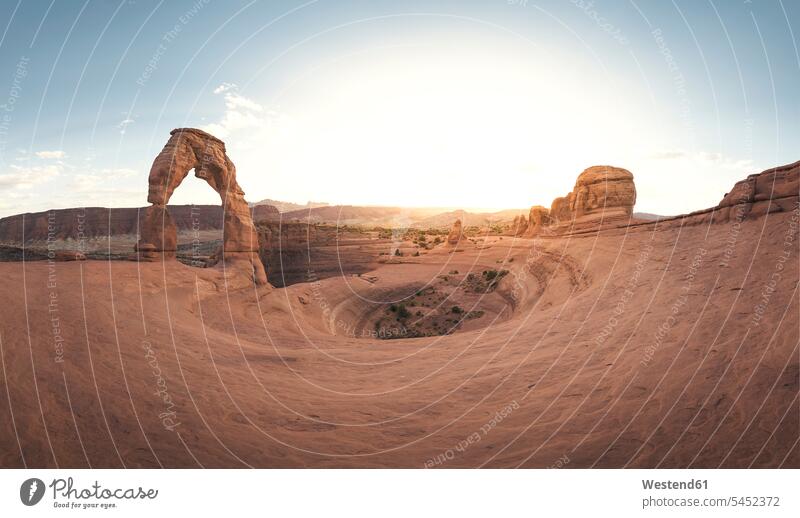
(632, 348)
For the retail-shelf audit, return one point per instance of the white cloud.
(242, 114)
(26, 177)
(123, 124)
(668, 154)
(56, 154)
(224, 87)
(36, 186)
(98, 181)
(705, 157)
(235, 101)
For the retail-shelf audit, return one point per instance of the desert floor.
(634, 347)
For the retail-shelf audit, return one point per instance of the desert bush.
(402, 312)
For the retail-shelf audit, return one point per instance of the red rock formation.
(187, 149)
(604, 190)
(158, 233)
(519, 226)
(539, 219)
(456, 234)
(68, 255)
(773, 190)
(600, 191)
(560, 209)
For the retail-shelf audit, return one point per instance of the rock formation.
(68, 255)
(187, 149)
(773, 190)
(456, 233)
(519, 225)
(600, 192)
(604, 190)
(265, 213)
(538, 219)
(560, 209)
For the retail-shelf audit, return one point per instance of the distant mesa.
(100, 222)
(265, 213)
(285, 206)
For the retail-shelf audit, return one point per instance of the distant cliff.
(92, 222)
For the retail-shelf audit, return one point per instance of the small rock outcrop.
(519, 225)
(456, 234)
(560, 209)
(538, 219)
(69, 255)
(188, 149)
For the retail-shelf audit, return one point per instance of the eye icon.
(31, 491)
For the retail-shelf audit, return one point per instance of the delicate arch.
(187, 149)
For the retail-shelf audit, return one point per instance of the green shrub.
(403, 312)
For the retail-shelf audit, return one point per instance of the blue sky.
(491, 103)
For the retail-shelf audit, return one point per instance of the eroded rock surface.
(538, 219)
(519, 226)
(773, 190)
(560, 209)
(604, 190)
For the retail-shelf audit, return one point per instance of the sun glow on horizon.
(437, 126)
(484, 124)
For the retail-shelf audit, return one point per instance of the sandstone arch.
(187, 149)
